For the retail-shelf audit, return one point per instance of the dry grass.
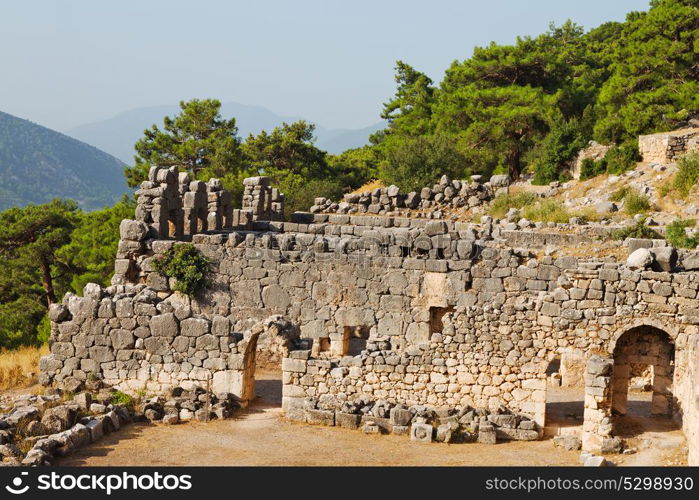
(19, 367)
(369, 187)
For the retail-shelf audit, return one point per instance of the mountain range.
(117, 135)
(38, 164)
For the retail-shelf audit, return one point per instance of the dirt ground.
(260, 435)
(657, 440)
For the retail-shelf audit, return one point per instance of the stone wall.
(361, 309)
(447, 193)
(666, 147)
(449, 320)
(593, 151)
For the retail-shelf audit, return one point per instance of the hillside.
(118, 134)
(38, 164)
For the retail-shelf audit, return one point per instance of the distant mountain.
(38, 164)
(117, 135)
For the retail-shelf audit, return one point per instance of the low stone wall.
(666, 147)
(447, 193)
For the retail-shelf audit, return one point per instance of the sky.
(70, 62)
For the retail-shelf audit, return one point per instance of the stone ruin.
(435, 328)
(667, 147)
(447, 193)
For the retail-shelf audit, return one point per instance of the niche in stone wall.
(437, 318)
(356, 339)
(321, 346)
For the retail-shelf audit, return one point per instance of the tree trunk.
(513, 160)
(47, 281)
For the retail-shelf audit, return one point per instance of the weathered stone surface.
(164, 325)
(421, 433)
(640, 259)
(133, 230)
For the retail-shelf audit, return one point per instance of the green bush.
(618, 159)
(300, 193)
(416, 162)
(676, 234)
(590, 168)
(547, 211)
(687, 175)
(620, 194)
(638, 230)
(187, 265)
(621, 158)
(550, 158)
(123, 399)
(503, 202)
(635, 202)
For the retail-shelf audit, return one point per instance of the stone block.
(320, 417)
(486, 434)
(347, 420)
(421, 432)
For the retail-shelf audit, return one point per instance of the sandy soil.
(261, 436)
(658, 440)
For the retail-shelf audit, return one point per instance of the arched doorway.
(644, 362)
(263, 348)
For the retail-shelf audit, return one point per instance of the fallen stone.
(640, 259)
(421, 433)
(595, 461)
(569, 443)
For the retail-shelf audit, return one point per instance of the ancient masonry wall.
(666, 147)
(366, 308)
(465, 324)
(446, 193)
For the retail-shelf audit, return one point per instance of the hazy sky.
(69, 62)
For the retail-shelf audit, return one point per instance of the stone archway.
(644, 348)
(276, 336)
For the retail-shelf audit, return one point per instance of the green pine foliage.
(531, 105)
(46, 251)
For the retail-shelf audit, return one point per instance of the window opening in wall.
(324, 344)
(356, 339)
(436, 317)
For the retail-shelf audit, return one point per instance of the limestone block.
(421, 433)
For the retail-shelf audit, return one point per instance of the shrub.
(547, 211)
(123, 399)
(590, 168)
(503, 202)
(619, 194)
(635, 202)
(187, 265)
(416, 162)
(550, 158)
(300, 193)
(676, 234)
(621, 158)
(687, 175)
(617, 160)
(638, 230)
